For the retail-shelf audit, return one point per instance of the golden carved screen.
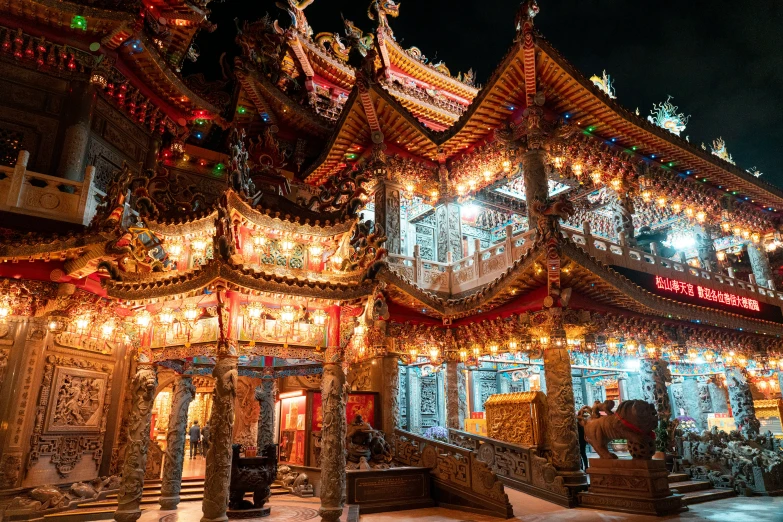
(517, 418)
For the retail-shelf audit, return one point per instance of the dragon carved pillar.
(217, 477)
(265, 395)
(456, 397)
(184, 392)
(391, 396)
(654, 374)
(333, 436)
(759, 262)
(388, 197)
(144, 383)
(742, 402)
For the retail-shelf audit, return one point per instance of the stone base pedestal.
(631, 486)
(243, 514)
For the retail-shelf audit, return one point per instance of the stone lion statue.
(633, 421)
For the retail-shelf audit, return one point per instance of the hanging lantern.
(576, 168)
(651, 350)
(320, 317)
(287, 315)
(199, 246)
(434, 355)
(745, 234)
(506, 166)
(616, 184)
(709, 356)
(82, 323)
(721, 255)
(107, 329)
(477, 351)
(701, 216)
(693, 354)
(611, 345)
(631, 347)
(143, 319)
(493, 349)
(191, 312)
(5, 307)
(661, 202)
(737, 231)
(512, 344)
(596, 177)
(287, 246)
(755, 237)
(56, 325)
(646, 195)
(726, 227)
(463, 355)
(742, 361)
(413, 354)
(558, 338)
(589, 343)
(677, 207)
(729, 358)
(174, 249)
(166, 317)
(543, 340)
(316, 250)
(259, 240)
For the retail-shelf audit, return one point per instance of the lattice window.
(10, 145)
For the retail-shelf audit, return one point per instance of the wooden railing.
(460, 478)
(41, 195)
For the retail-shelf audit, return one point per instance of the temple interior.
(348, 283)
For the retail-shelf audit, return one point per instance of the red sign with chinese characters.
(706, 294)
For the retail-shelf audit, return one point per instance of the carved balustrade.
(477, 269)
(636, 259)
(455, 470)
(521, 467)
(34, 194)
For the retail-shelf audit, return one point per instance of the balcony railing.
(483, 266)
(41, 195)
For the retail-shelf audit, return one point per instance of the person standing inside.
(205, 440)
(195, 438)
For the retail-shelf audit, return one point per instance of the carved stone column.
(387, 213)
(759, 262)
(333, 437)
(705, 247)
(143, 395)
(391, 396)
(536, 184)
(77, 133)
(691, 397)
(742, 407)
(414, 399)
(654, 374)
(221, 430)
(184, 392)
(719, 398)
(622, 210)
(448, 233)
(265, 395)
(561, 435)
(456, 396)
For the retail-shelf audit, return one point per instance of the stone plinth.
(632, 486)
(245, 514)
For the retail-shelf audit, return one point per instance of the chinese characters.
(725, 298)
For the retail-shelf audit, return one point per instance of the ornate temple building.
(362, 270)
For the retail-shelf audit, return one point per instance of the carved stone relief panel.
(455, 231)
(579, 400)
(487, 385)
(442, 218)
(429, 396)
(403, 398)
(77, 402)
(247, 411)
(425, 238)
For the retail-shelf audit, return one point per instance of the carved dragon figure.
(357, 39)
(339, 193)
(361, 249)
(381, 9)
(549, 213)
(634, 421)
(295, 10)
(333, 43)
(161, 192)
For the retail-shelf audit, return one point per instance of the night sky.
(721, 61)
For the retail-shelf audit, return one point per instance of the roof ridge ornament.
(665, 115)
(295, 9)
(719, 150)
(380, 10)
(604, 83)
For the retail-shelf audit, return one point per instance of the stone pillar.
(742, 407)
(217, 476)
(691, 398)
(265, 395)
(391, 396)
(144, 383)
(184, 392)
(333, 436)
(536, 184)
(705, 248)
(759, 262)
(504, 383)
(719, 398)
(387, 214)
(654, 374)
(561, 436)
(414, 399)
(456, 396)
(622, 210)
(448, 233)
(77, 133)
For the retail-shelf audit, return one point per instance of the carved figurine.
(633, 421)
(366, 447)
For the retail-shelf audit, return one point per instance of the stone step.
(678, 477)
(689, 486)
(707, 495)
